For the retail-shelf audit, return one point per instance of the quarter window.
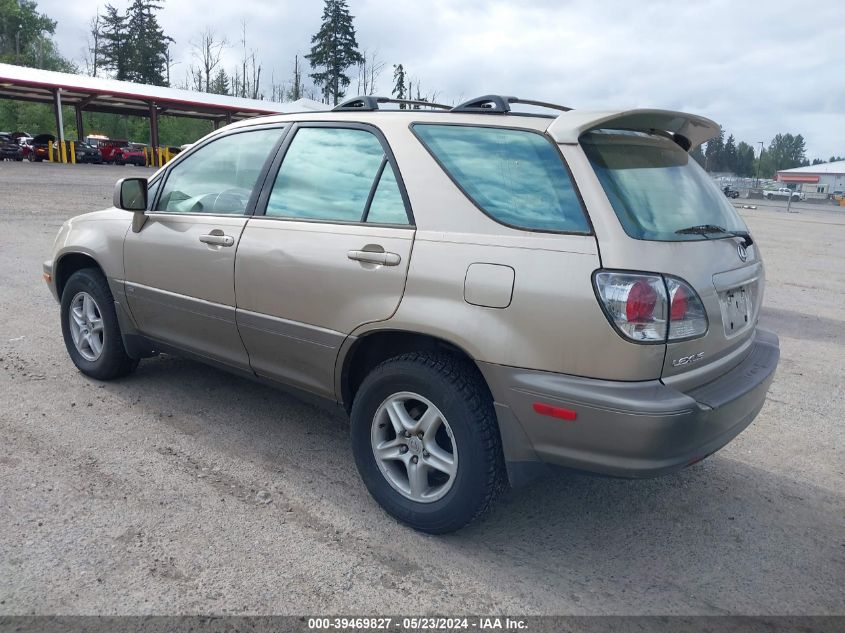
(330, 173)
(387, 206)
(220, 176)
(516, 177)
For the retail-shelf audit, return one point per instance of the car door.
(179, 267)
(327, 250)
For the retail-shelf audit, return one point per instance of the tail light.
(650, 308)
(687, 318)
(635, 304)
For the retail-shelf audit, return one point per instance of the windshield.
(656, 188)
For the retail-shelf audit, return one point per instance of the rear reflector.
(555, 412)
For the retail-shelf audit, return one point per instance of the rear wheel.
(90, 327)
(426, 442)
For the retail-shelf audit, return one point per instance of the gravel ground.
(182, 489)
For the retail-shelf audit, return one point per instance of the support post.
(154, 134)
(80, 132)
(60, 126)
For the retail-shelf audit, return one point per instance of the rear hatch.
(677, 225)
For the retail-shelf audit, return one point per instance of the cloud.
(755, 66)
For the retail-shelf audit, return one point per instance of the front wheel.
(90, 327)
(426, 441)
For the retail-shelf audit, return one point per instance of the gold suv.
(484, 292)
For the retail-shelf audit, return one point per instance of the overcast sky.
(756, 67)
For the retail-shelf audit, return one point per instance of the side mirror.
(130, 194)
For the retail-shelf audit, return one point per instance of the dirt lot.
(141, 496)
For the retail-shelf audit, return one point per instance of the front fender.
(97, 235)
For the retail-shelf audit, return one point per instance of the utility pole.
(757, 179)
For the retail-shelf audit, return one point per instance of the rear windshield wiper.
(705, 229)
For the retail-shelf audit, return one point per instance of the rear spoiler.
(688, 130)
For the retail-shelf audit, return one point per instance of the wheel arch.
(69, 263)
(359, 355)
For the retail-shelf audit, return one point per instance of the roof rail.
(369, 103)
(499, 104)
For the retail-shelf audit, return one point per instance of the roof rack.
(369, 103)
(499, 104)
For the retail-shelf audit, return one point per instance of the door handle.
(375, 257)
(217, 240)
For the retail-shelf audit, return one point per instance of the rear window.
(656, 188)
(517, 177)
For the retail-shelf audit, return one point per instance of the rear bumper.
(627, 429)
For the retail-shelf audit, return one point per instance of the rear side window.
(336, 174)
(517, 177)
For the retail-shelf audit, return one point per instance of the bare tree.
(296, 86)
(369, 70)
(416, 92)
(92, 55)
(169, 63)
(246, 79)
(208, 52)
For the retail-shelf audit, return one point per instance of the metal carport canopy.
(96, 94)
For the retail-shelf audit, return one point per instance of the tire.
(112, 361)
(458, 392)
(769, 196)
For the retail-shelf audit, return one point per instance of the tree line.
(335, 59)
(131, 45)
(785, 151)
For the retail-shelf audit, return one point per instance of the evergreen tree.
(715, 152)
(729, 155)
(220, 84)
(334, 49)
(114, 44)
(698, 154)
(785, 152)
(25, 37)
(147, 61)
(744, 160)
(400, 90)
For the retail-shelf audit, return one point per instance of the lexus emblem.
(740, 250)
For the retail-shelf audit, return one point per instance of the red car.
(111, 149)
(131, 154)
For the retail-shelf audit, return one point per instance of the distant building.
(823, 180)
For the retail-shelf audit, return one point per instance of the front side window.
(220, 176)
(517, 177)
(656, 189)
(336, 174)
